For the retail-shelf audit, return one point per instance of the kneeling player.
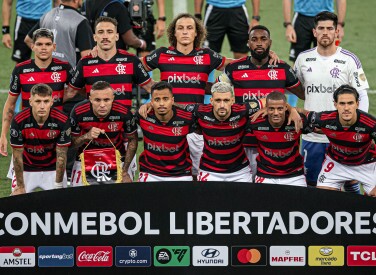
(39, 136)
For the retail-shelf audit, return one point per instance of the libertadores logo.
(172, 256)
(361, 255)
(17, 256)
(94, 256)
(255, 255)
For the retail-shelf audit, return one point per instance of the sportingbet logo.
(361, 255)
(55, 256)
(94, 256)
(17, 256)
(287, 256)
(172, 256)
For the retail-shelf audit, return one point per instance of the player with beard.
(254, 78)
(322, 70)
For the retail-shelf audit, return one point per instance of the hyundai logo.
(210, 253)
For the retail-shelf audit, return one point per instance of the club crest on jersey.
(199, 60)
(177, 131)
(335, 72)
(120, 69)
(273, 74)
(55, 76)
(289, 136)
(358, 137)
(52, 134)
(113, 127)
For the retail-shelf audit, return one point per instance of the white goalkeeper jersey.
(322, 75)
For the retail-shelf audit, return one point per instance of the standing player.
(42, 69)
(100, 115)
(166, 153)
(254, 78)
(278, 160)
(351, 132)
(118, 67)
(39, 136)
(322, 70)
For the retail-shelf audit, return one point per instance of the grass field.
(359, 38)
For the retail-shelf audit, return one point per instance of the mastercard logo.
(251, 255)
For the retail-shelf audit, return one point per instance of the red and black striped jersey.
(26, 74)
(40, 141)
(348, 145)
(120, 120)
(121, 71)
(166, 151)
(223, 149)
(255, 82)
(188, 74)
(278, 148)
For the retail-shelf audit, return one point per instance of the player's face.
(162, 101)
(276, 112)
(222, 103)
(102, 100)
(346, 106)
(325, 33)
(185, 31)
(43, 48)
(106, 36)
(259, 43)
(41, 106)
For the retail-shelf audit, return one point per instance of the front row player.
(39, 136)
(351, 153)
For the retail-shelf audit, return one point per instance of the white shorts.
(295, 181)
(252, 154)
(196, 145)
(147, 177)
(76, 178)
(334, 174)
(243, 175)
(44, 180)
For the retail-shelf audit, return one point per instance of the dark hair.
(43, 32)
(41, 89)
(100, 85)
(259, 27)
(200, 29)
(105, 19)
(325, 16)
(345, 89)
(161, 86)
(275, 95)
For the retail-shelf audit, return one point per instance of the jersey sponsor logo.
(31, 79)
(279, 154)
(22, 256)
(273, 75)
(56, 256)
(172, 256)
(209, 118)
(253, 96)
(120, 69)
(326, 256)
(170, 52)
(92, 61)
(335, 72)
(28, 70)
(137, 256)
(249, 255)
(356, 78)
(310, 59)
(94, 256)
(287, 256)
(152, 120)
(243, 67)
(55, 76)
(339, 61)
(87, 118)
(346, 150)
(95, 71)
(291, 70)
(360, 129)
(210, 256)
(245, 75)
(224, 141)
(56, 68)
(184, 79)
(121, 59)
(177, 131)
(114, 117)
(237, 117)
(320, 89)
(14, 79)
(51, 124)
(199, 60)
(163, 148)
(178, 122)
(150, 58)
(361, 255)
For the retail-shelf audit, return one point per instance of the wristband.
(58, 185)
(198, 16)
(256, 17)
(5, 30)
(143, 44)
(286, 24)
(162, 18)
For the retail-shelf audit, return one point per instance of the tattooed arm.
(92, 134)
(129, 155)
(61, 162)
(8, 113)
(18, 170)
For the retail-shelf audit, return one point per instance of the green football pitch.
(359, 39)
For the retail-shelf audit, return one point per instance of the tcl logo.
(94, 256)
(361, 255)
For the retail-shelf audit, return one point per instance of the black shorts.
(230, 21)
(148, 36)
(21, 51)
(303, 26)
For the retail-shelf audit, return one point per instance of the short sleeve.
(16, 138)
(65, 135)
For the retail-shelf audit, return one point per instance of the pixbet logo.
(361, 255)
(94, 256)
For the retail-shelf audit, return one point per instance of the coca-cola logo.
(94, 256)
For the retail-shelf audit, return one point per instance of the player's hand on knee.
(18, 191)
(3, 146)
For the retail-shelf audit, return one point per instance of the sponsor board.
(361, 255)
(55, 256)
(17, 256)
(287, 256)
(88, 256)
(210, 256)
(255, 255)
(136, 256)
(326, 255)
(172, 256)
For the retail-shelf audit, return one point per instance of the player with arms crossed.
(39, 136)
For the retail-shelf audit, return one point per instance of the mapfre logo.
(20, 256)
(361, 255)
(287, 256)
(94, 256)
